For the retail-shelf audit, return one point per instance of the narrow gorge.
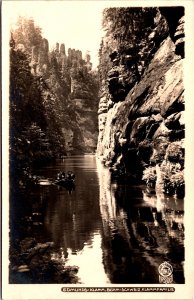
(97, 154)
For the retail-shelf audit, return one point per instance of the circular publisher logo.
(165, 269)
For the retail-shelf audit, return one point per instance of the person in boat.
(63, 175)
(58, 175)
(70, 175)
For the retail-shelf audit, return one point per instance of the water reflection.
(89, 260)
(113, 233)
(140, 231)
(73, 220)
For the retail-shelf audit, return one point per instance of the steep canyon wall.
(141, 109)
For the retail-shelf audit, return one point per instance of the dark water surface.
(113, 233)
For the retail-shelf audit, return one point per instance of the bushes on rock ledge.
(175, 153)
(149, 176)
(173, 178)
(171, 170)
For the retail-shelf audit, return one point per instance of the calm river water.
(113, 233)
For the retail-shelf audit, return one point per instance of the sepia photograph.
(94, 170)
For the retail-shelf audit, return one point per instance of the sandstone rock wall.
(69, 77)
(141, 109)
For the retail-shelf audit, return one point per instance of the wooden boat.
(43, 181)
(65, 182)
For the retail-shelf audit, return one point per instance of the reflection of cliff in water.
(141, 230)
(68, 217)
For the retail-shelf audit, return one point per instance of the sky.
(77, 24)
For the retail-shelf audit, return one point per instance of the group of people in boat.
(63, 176)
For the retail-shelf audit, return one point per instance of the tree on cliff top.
(27, 33)
(123, 23)
(125, 28)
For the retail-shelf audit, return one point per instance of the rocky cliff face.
(141, 109)
(71, 79)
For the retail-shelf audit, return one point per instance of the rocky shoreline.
(33, 262)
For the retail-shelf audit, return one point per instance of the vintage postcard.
(97, 159)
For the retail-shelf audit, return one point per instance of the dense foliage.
(125, 30)
(27, 117)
